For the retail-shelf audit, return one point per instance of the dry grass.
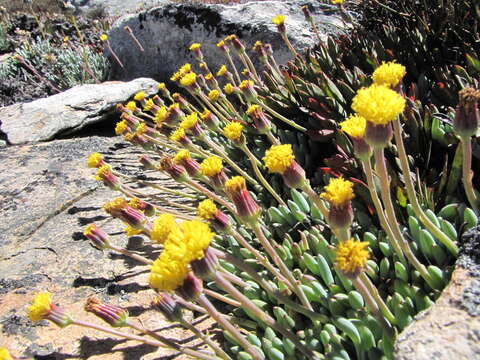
(39, 6)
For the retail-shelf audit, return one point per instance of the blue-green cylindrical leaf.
(274, 354)
(449, 212)
(437, 276)
(469, 218)
(312, 264)
(242, 355)
(449, 229)
(414, 228)
(325, 271)
(355, 299)
(433, 218)
(401, 271)
(370, 238)
(384, 267)
(385, 248)
(348, 328)
(300, 200)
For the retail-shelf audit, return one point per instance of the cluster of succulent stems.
(206, 131)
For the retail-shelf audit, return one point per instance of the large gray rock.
(68, 111)
(450, 329)
(167, 31)
(47, 197)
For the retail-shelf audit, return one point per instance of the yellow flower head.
(246, 84)
(338, 192)
(222, 71)
(102, 172)
(94, 160)
(378, 104)
(115, 205)
(338, 2)
(5, 354)
(65, 39)
(131, 105)
(104, 37)
(162, 86)
(40, 307)
(139, 96)
(195, 46)
(253, 108)
(121, 127)
(160, 115)
(168, 272)
(148, 105)
(207, 209)
(162, 227)
(181, 156)
(354, 126)
(351, 256)
(278, 20)
(206, 113)
(209, 76)
(214, 94)
(229, 89)
(141, 129)
(211, 166)
(189, 121)
(198, 236)
(221, 43)
(185, 68)
(389, 74)
(178, 135)
(230, 37)
(233, 130)
(188, 79)
(278, 158)
(235, 184)
(131, 231)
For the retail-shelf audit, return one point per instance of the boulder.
(47, 198)
(167, 31)
(450, 329)
(68, 111)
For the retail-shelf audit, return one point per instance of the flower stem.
(263, 316)
(392, 219)
(173, 345)
(132, 255)
(218, 350)
(203, 190)
(281, 265)
(218, 317)
(439, 234)
(378, 299)
(221, 297)
(272, 291)
(258, 173)
(282, 118)
(467, 173)
(367, 169)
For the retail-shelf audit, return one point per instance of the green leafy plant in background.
(290, 268)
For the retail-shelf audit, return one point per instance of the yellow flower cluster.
(185, 243)
(148, 105)
(139, 96)
(177, 135)
(378, 104)
(211, 166)
(389, 74)
(222, 71)
(131, 105)
(246, 84)
(141, 129)
(207, 209)
(162, 226)
(351, 256)
(214, 94)
(162, 86)
(102, 172)
(235, 184)
(121, 127)
(185, 69)
(278, 158)
(233, 130)
(104, 37)
(160, 115)
(278, 20)
(94, 160)
(338, 191)
(181, 156)
(5, 354)
(252, 108)
(41, 306)
(229, 89)
(354, 126)
(189, 121)
(188, 79)
(195, 46)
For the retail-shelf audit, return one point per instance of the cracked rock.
(68, 111)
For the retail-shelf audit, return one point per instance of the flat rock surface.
(68, 111)
(166, 32)
(47, 197)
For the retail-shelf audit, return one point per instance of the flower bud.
(467, 119)
(248, 210)
(191, 288)
(164, 303)
(115, 316)
(97, 236)
(178, 173)
(205, 267)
